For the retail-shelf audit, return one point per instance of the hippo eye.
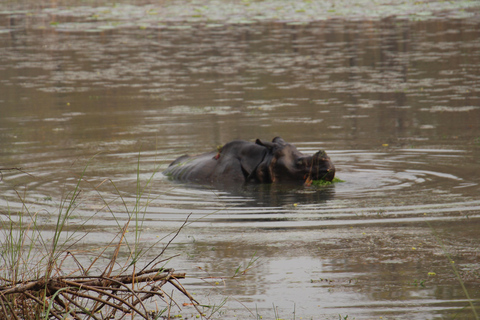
(299, 162)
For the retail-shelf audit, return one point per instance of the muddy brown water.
(394, 100)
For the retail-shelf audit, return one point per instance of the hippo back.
(192, 168)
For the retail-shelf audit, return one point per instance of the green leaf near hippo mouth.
(321, 183)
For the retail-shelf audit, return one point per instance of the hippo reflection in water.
(261, 162)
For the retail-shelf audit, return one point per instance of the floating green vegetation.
(322, 183)
(153, 14)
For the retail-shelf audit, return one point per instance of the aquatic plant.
(323, 183)
(455, 271)
(42, 277)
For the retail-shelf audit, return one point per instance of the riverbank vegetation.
(48, 274)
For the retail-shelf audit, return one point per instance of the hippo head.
(286, 164)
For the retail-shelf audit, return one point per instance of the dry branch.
(77, 295)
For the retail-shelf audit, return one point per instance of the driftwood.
(95, 297)
(111, 295)
(121, 290)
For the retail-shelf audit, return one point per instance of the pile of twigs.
(98, 297)
(35, 285)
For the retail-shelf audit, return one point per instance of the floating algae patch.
(322, 183)
(106, 15)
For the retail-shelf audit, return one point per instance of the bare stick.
(169, 242)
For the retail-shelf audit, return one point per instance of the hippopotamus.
(242, 162)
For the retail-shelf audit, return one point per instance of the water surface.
(392, 96)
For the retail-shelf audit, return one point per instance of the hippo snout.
(323, 166)
(330, 174)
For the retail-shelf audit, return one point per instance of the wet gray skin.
(240, 162)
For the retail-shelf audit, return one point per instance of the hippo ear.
(279, 140)
(268, 145)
